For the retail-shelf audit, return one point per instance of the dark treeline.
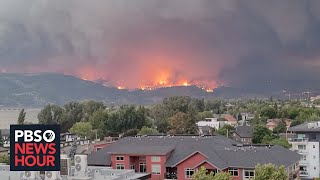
(176, 115)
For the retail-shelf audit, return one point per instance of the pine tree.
(22, 117)
(1, 140)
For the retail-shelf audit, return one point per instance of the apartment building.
(178, 157)
(306, 143)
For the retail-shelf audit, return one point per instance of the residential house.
(306, 143)
(225, 118)
(5, 134)
(68, 137)
(210, 122)
(178, 157)
(243, 134)
(247, 116)
(272, 123)
(230, 119)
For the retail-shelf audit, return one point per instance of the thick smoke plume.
(141, 43)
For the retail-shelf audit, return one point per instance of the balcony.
(304, 162)
(303, 152)
(304, 140)
(304, 173)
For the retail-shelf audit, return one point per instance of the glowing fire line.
(162, 79)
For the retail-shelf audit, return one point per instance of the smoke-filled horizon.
(141, 43)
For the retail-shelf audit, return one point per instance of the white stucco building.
(306, 143)
(211, 122)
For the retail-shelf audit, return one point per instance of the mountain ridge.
(39, 89)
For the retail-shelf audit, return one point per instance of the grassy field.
(10, 116)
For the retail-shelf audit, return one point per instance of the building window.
(248, 174)
(188, 173)
(314, 168)
(142, 167)
(312, 136)
(243, 139)
(156, 168)
(132, 166)
(303, 168)
(120, 158)
(314, 157)
(119, 166)
(302, 147)
(304, 158)
(234, 172)
(314, 146)
(155, 159)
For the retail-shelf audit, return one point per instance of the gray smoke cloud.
(247, 43)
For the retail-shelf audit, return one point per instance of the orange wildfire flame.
(161, 79)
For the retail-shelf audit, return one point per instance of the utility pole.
(289, 96)
(227, 133)
(308, 98)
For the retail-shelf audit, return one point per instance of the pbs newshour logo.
(35, 148)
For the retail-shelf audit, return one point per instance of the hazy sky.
(143, 42)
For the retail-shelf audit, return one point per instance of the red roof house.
(178, 157)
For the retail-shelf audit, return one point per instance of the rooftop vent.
(313, 125)
(238, 145)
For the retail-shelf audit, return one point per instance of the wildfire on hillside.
(160, 79)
